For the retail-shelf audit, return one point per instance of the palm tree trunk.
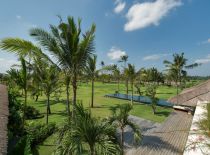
(37, 97)
(122, 139)
(92, 97)
(118, 86)
(92, 150)
(25, 104)
(67, 99)
(132, 93)
(74, 84)
(126, 83)
(48, 104)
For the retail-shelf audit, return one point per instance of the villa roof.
(3, 119)
(191, 96)
(169, 138)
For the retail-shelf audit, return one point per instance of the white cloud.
(154, 57)
(142, 15)
(115, 53)
(18, 17)
(6, 64)
(120, 5)
(204, 42)
(203, 61)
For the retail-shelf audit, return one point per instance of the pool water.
(142, 99)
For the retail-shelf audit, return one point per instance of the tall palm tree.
(121, 120)
(92, 73)
(130, 72)
(116, 73)
(69, 48)
(176, 68)
(124, 59)
(88, 133)
(151, 91)
(102, 70)
(48, 75)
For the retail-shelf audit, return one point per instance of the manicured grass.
(102, 107)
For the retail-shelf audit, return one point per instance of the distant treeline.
(199, 77)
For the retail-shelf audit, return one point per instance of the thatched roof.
(3, 119)
(191, 96)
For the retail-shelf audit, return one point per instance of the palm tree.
(176, 68)
(20, 78)
(151, 92)
(87, 133)
(130, 72)
(121, 120)
(69, 48)
(102, 69)
(92, 73)
(48, 75)
(116, 73)
(124, 59)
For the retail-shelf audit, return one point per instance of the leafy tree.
(97, 136)
(69, 48)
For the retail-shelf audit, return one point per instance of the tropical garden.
(56, 93)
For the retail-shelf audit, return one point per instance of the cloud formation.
(6, 64)
(154, 57)
(120, 5)
(203, 61)
(18, 17)
(142, 15)
(115, 53)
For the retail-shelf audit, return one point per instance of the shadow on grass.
(52, 102)
(163, 113)
(164, 93)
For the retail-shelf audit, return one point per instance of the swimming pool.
(142, 99)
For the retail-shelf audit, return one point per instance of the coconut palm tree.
(124, 59)
(130, 72)
(20, 77)
(121, 120)
(102, 70)
(151, 92)
(87, 134)
(69, 48)
(176, 68)
(92, 73)
(48, 75)
(116, 73)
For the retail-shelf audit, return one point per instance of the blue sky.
(149, 31)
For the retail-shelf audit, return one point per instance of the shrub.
(15, 124)
(39, 132)
(22, 147)
(32, 113)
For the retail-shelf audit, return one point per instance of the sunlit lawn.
(102, 107)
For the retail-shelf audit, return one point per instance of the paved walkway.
(3, 119)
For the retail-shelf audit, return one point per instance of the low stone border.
(196, 143)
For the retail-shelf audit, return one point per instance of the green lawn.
(102, 107)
